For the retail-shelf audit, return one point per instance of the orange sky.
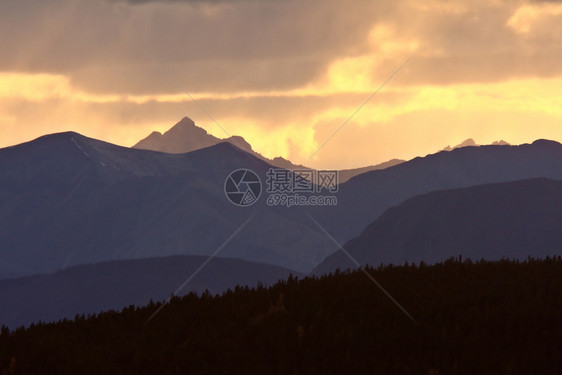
(286, 74)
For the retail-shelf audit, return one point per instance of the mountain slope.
(89, 289)
(364, 198)
(66, 199)
(346, 174)
(505, 220)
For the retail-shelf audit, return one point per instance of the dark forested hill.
(471, 318)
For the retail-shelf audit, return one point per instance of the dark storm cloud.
(107, 46)
(213, 76)
(282, 43)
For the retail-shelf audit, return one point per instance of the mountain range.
(66, 199)
(186, 136)
(362, 199)
(69, 202)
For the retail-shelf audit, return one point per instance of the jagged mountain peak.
(186, 136)
(469, 142)
(185, 125)
(183, 137)
(466, 143)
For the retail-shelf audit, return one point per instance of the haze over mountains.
(186, 136)
(67, 200)
(511, 220)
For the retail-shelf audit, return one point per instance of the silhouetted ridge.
(512, 220)
(546, 143)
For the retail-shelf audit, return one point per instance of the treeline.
(501, 317)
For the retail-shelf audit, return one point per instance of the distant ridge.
(471, 143)
(186, 136)
(346, 174)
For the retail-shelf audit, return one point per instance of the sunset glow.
(482, 69)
